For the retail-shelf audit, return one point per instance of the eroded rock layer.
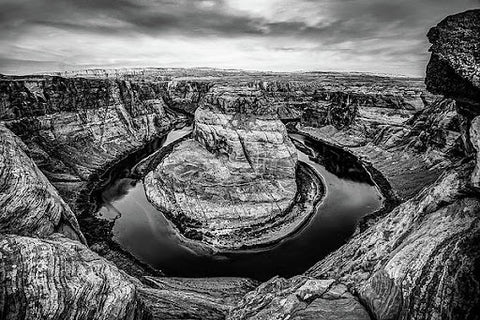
(299, 298)
(235, 176)
(76, 128)
(29, 204)
(58, 278)
(420, 261)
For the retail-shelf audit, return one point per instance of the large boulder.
(58, 278)
(234, 177)
(454, 67)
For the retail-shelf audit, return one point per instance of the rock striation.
(298, 298)
(426, 249)
(76, 128)
(29, 204)
(234, 178)
(419, 261)
(58, 278)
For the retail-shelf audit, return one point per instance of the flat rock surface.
(200, 298)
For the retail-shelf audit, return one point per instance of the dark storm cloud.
(154, 17)
(357, 18)
(352, 19)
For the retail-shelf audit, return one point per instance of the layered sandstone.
(57, 278)
(419, 261)
(299, 298)
(234, 178)
(76, 128)
(29, 204)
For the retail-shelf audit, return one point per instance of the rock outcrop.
(187, 298)
(299, 298)
(57, 278)
(234, 178)
(29, 204)
(426, 247)
(417, 261)
(454, 69)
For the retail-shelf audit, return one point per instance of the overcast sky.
(382, 36)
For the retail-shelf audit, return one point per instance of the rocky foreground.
(415, 260)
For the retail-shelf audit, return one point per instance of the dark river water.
(143, 231)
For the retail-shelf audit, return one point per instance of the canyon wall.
(418, 260)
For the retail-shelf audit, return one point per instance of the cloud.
(378, 34)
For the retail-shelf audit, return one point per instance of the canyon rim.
(225, 193)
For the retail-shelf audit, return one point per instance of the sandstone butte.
(417, 260)
(234, 178)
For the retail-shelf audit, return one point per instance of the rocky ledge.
(232, 184)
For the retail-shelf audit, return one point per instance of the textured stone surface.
(454, 68)
(421, 147)
(475, 140)
(185, 298)
(299, 298)
(427, 245)
(58, 278)
(29, 204)
(75, 128)
(234, 177)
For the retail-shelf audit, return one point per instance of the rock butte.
(417, 260)
(235, 177)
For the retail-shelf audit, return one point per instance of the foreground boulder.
(58, 278)
(454, 68)
(234, 178)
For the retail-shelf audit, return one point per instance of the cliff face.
(75, 128)
(420, 261)
(29, 204)
(57, 278)
(454, 70)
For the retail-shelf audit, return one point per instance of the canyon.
(237, 181)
